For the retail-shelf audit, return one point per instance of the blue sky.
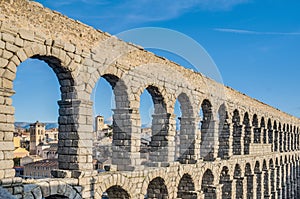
(254, 43)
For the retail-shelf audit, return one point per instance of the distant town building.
(102, 129)
(25, 136)
(47, 151)
(21, 138)
(29, 159)
(40, 169)
(20, 153)
(37, 134)
(19, 171)
(146, 134)
(19, 130)
(17, 141)
(102, 150)
(42, 144)
(51, 135)
(99, 123)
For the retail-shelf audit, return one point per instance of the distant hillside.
(26, 125)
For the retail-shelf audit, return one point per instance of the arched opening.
(247, 136)
(187, 128)
(146, 111)
(264, 130)
(288, 144)
(295, 187)
(292, 140)
(186, 188)
(249, 178)
(266, 179)
(272, 177)
(292, 179)
(116, 130)
(227, 183)
(33, 78)
(276, 136)
(207, 131)
(224, 133)
(256, 130)
(103, 121)
(270, 134)
(179, 121)
(297, 172)
(287, 180)
(285, 137)
(115, 192)
(258, 174)
(237, 133)
(290, 137)
(277, 178)
(157, 189)
(295, 139)
(37, 115)
(157, 136)
(283, 178)
(207, 186)
(280, 145)
(298, 139)
(239, 181)
(286, 159)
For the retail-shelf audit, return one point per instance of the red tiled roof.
(44, 163)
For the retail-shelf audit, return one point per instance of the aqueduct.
(243, 149)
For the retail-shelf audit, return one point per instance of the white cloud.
(109, 120)
(157, 10)
(139, 11)
(241, 31)
(220, 4)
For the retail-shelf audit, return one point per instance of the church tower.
(37, 135)
(99, 123)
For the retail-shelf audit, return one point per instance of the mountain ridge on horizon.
(26, 125)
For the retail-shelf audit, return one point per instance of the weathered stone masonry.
(243, 149)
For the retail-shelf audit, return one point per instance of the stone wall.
(240, 177)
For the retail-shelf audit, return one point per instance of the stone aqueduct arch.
(52, 189)
(254, 148)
